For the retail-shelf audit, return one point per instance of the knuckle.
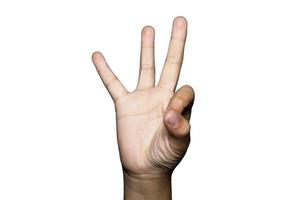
(178, 102)
(172, 60)
(189, 90)
(111, 82)
(187, 128)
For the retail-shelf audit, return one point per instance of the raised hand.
(153, 127)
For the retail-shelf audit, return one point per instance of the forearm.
(150, 187)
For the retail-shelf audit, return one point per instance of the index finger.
(110, 80)
(170, 74)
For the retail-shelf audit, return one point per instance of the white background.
(57, 125)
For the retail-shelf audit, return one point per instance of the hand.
(153, 127)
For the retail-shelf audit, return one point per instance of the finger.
(147, 65)
(178, 112)
(172, 66)
(111, 82)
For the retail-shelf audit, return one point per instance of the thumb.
(178, 112)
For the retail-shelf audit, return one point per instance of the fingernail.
(180, 22)
(172, 118)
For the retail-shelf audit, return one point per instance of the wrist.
(147, 186)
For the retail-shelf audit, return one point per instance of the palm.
(141, 130)
(145, 144)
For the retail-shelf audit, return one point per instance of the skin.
(153, 128)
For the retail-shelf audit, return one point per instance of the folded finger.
(178, 112)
